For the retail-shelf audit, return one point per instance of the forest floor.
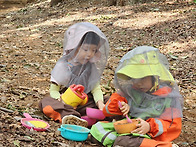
(31, 41)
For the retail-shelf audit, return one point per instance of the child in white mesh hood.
(85, 55)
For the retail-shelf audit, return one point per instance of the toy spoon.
(128, 119)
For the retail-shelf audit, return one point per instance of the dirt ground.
(31, 41)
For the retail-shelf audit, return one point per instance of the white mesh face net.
(85, 55)
(143, 78)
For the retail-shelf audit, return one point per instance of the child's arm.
(111, 107)
(158, 129)
(98, 96)
(54, 91)
(164, 130)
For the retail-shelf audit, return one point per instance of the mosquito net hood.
(85, 53)
(143, 78)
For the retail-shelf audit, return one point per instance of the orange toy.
(123, 126)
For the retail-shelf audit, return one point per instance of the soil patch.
(31, 42)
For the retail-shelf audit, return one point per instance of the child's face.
(143, 84)
(85, 53)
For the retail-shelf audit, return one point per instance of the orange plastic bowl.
(123, 126)
(95, 113)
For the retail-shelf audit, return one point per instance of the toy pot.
(123, 126)
(75, 96)
(74, 132)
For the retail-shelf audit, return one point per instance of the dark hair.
(90, 38)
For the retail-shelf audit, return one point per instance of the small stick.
(6, 110)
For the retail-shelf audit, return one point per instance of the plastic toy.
(123, 126)
(75, 96)
(95, 113)
(34, 123)
(74, 132)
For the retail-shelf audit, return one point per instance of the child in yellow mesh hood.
(85, 53)
(147, 92)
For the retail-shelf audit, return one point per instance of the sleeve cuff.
(97, 93)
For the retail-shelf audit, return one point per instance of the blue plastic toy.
(74, 132)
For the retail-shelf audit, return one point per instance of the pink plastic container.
(91, 121)
(26, 122)
(95, 113)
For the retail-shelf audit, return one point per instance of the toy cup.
(75, 96)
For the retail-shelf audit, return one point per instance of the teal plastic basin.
(74, 132)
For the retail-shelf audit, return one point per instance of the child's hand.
(142, 128)
(61, 100)
(125, 108)
(100, 104)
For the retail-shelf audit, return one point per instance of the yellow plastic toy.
(75, 96)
